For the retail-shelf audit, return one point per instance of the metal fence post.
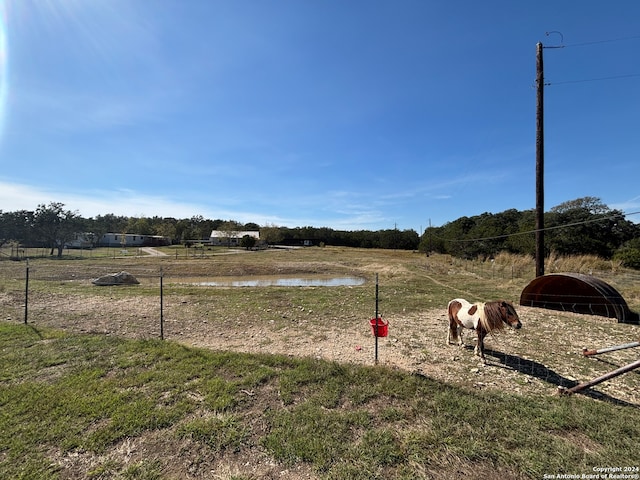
(161, 306)
(26, 294)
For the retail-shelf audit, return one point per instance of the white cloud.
(14, 196)
(129, 203)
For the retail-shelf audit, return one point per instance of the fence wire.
(58, 297)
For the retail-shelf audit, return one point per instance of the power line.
(615, 77)
(596, 42)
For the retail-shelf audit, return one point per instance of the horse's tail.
(453, 330)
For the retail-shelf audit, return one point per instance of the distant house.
(125, 240)
(81, 240)
(122, 240)
(231, 239)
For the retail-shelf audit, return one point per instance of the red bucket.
(383, 327)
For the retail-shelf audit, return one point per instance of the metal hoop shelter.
(579, 293)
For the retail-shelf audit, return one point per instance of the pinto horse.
(481, 317)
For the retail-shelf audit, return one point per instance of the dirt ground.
(418, 344)
(535, 360)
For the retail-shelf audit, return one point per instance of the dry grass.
(332, 322)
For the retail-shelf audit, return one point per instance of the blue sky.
(358, 114)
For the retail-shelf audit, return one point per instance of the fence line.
(119, 313)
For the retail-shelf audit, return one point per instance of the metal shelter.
(579, 293)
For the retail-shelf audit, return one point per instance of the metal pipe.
(595, 381)
(587, 352)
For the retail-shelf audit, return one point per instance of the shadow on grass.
(540, 371)
(613, 365)
(35, 330)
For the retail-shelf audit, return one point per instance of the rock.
(122, 278)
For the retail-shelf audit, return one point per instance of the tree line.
(584, 226)
(52, 226)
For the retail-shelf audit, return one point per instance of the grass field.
(280, 382)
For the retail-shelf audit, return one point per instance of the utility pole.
(540, 153)
(539, 162)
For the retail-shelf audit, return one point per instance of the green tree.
(629, 254)
(432, 240)
(248, 242)
(271, 234)
(108, 223)
(200, 228)
(399, 240)
(15, 226)
(592, 205)
(167, 228)
(56, 226)
(252, 227)
(523, 239)
(585, 226)
(140, 226)
(5, 232)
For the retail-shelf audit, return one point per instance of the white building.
(126, 240)
(231, 239)
(81, 240)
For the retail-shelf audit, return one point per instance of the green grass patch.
(220, 432)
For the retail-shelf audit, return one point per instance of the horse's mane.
(491, 317)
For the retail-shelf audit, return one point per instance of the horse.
(483, 317)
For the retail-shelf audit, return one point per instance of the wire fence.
(56, 295)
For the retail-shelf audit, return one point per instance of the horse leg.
(479, 350)
(455, 333)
